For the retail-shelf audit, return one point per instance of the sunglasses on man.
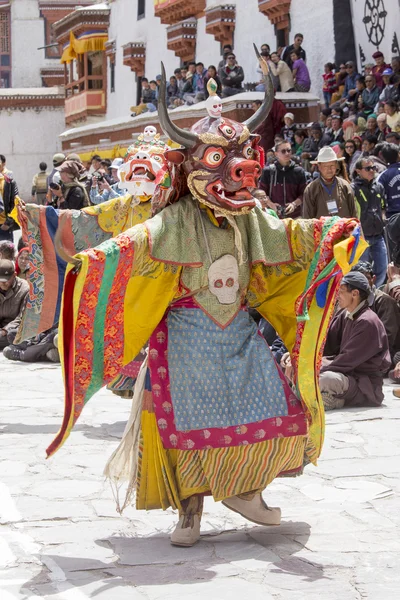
(285, 151)
(369, 168)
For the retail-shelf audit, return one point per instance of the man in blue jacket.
(390, 179)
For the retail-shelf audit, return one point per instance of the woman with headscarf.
(72, 192)
(22, 263)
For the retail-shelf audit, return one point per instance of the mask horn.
(259, 117)
(175, 133)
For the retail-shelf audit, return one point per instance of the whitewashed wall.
(27, 34)
(364, 37)
(29, 138)
(314, 19)
(125, 28)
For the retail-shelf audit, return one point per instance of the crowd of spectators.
(188, 85)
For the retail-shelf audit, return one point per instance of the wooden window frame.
(6, 69)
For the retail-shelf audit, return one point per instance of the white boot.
(186, 534)
(254, 509)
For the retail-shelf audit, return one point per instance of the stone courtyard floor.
(61, 538)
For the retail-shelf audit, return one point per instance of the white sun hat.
(326, 154)
(117, 162)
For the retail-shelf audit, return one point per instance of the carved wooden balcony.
(134, 55)
(173, 11)
(181, 38)
(278, 11)
(220, 22)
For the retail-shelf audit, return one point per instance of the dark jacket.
(312, 147)
(284, 184)
(286, 55)
(232, 79)
(12, 303)
(333, 136)
(9, 193)
(148, 96)
(371, 199)
(75, 198)
(390, 179)
(361, 350)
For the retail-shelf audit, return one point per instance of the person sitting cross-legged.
(357, 350)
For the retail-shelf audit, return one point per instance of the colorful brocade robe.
(129, 288)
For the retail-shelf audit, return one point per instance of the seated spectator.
(379, 68)
(368, 144)
(40, 348)
(299, 137)
(312, 145)
(195, 91)
(350, 83)
(102, 190)
(323, 115)
(392, 115)
(328, 195)
(279, 68)
(289, 129)
(356, 99)
(349, 128)
(369, 97)
(368, 69)
(22, 265)
(393, 138)
(147, 100)
(284, 182)
(337, 134)
(372, 126)
(341, 76)
(383, 129)
(377, 158)
(370, 197)
(390, 91)
(301, 76)
(13, 295)
(7, 250)
(287, 52)
(351, 156)
(329, 85)
(180, 75)
(212, 74)
(231, 76)
(172, 91)
(356, 351)
(390, 178)
(385, 307)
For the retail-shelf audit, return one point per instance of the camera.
(54, 186)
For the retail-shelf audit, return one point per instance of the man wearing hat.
(53, 179)
(357, 350)
(328, 195)
(379, 68)
(13, 295)
(312, 144)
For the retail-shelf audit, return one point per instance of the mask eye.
(213, 157)
(248, 151)
(157, 157)
(227, 131)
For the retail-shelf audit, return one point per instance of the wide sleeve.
(112, 302)
(298, 297)
(50, 231)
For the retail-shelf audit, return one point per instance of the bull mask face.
(222, 169)
(145, 167)
(219, 155)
